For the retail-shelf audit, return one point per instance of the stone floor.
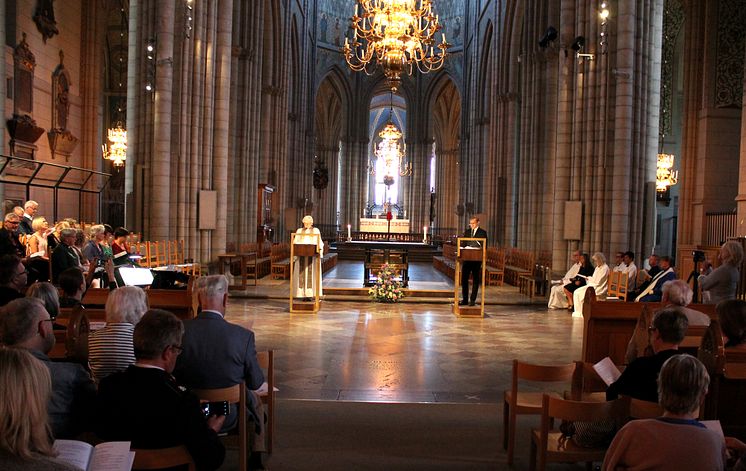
(415, 351)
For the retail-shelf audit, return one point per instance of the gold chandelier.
(397, 34)
(390, 151)
(665, 176)
(116, 151)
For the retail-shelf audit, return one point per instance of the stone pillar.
(741, 198)
(160, 172)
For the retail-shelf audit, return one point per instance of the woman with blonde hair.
(25, 436)
(36, 243)
(721, 283)
(48, 295)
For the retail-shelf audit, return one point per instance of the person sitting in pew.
(24, 323)
(72, 283)
(676, 293)
(677, 440)
(557, 298)
(638, 380)
(653, 292)
(585, 270)
(732, 317)
(599, 281)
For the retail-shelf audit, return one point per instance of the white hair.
(677, 292)
(307, 218)
(126, 304)
(29, 204)
(213, 286)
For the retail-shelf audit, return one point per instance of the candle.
(349, 234)
(424, 232)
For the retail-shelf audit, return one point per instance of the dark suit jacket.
(73, 395)
(148, 408)
(25, 226)
(481, 233)
(63, 257)
(10, 244)
(218, 354)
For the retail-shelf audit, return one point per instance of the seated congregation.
(144, 378)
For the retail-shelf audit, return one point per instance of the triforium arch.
(444, 129)
(330, 126)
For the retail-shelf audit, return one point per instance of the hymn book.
(108, 456)
(607, 370)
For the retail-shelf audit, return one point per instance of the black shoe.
(462, 303)
(471, 303)
(257, 460)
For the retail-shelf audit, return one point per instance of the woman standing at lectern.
(305, 271)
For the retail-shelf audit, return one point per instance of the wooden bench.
(609, 325)
(328, 262)
(446, 263)
(518, 263)
(495, 269)
(727, 369)
(280, 261)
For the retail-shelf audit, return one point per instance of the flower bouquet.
(387, 289)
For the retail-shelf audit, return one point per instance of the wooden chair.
(613, 289)
(639, 409)
(76, 340)
(163, 458)
(235, 394)
(266, 361)
(516, 403)
(586, 384)
(548, 445)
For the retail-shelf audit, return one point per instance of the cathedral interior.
(559, 127)
(545, 121)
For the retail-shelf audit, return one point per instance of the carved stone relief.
(44, 19)
(730, 53)
(673, 19)
(22, 128)
(61, 140)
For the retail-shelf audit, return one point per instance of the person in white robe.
(598, 281)
(306, 269)
(557, 297)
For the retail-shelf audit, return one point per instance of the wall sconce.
(549, 36)
(150, 65)
(577, 46)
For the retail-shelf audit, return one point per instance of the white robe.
(306, 268)
(598, 281)
(557, 297)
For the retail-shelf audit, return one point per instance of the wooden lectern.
(469, 249)
(305, 245)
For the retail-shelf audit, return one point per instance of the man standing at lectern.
(475, 268)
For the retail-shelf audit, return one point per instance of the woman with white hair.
(676, 440)
(94, 249)
(110, 349)
(722, 282)
(598, 281)
(306, 272)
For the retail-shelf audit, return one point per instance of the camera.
(698, 256)
(215, 408)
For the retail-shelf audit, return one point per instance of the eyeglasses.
(178, 349)
(44, 320)
(652, 329)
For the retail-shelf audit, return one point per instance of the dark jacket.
(147, 407)
(639, 379)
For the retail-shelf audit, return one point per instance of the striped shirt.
(110, 349)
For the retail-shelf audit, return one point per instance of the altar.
(398, 226)
(378, 253)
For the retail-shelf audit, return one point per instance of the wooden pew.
(518, 263)
(727, 369)
(446, 263)
(495, 266)
(610, 324)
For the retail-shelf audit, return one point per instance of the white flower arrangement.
(387, 289)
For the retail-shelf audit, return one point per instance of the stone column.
(160, 172)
